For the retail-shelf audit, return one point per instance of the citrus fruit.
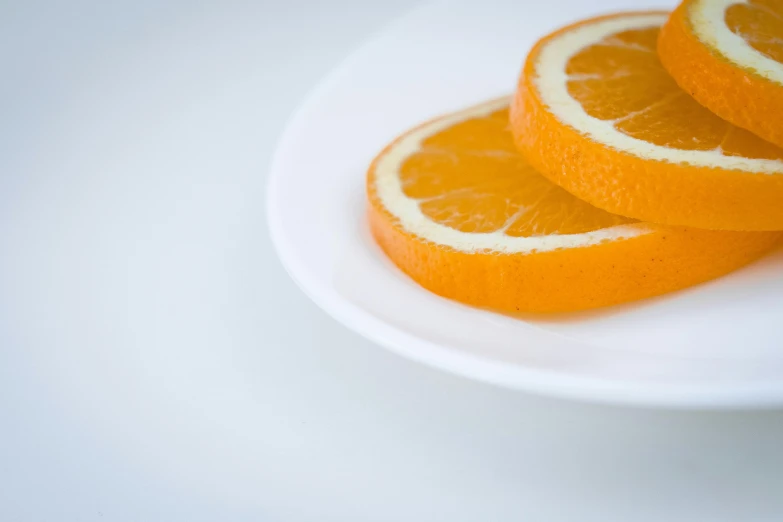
(728, 54)
(457, 208)
(596, 112)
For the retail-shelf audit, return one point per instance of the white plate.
(719, 345)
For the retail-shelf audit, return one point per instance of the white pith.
(708, 19)
(389, 189)
(551, 84)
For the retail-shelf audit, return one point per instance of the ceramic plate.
(716, 345)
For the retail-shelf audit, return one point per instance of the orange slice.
(597, 113)
(728, 54)
(459, 210)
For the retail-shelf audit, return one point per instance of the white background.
(157, 363)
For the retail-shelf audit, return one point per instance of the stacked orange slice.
(597, 113)
(728, 55)
(606, 183)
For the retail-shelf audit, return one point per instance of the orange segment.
(597, 113)
(728, 54)
(459, 210)
(510, 196)
(760, 24)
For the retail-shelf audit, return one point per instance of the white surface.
(156, 364)
(716, 345)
